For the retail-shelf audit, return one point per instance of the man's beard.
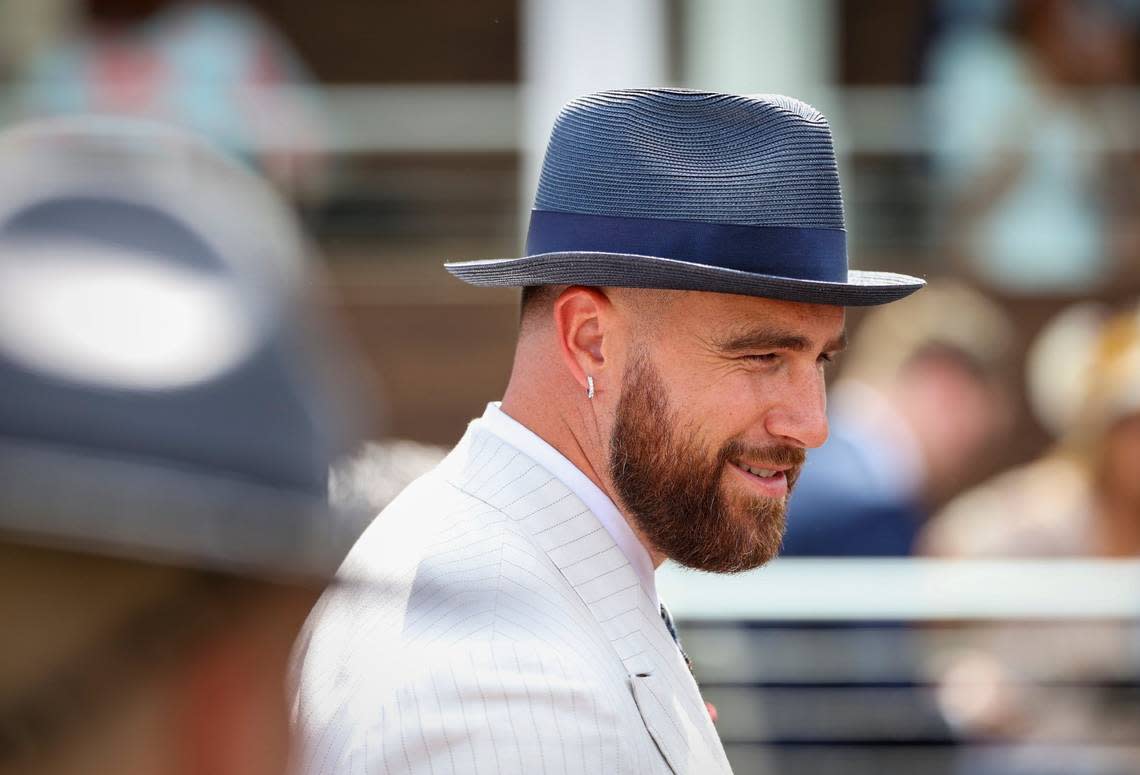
(673, 489)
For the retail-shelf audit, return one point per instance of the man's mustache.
(775, 455)
(768, 456)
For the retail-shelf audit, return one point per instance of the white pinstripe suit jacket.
(487, 623)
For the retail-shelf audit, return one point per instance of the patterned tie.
(672, 628)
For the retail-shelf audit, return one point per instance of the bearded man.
(684, 284)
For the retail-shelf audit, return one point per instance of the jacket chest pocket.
(682, 743)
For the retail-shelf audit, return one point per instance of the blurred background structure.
(992, 144)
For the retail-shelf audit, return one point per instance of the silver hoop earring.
(589, 387)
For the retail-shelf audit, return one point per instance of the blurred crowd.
(216, 69)
(1037, 163)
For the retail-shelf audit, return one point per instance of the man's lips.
(761, 469)
(769, 482)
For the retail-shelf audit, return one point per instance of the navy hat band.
(799, 253)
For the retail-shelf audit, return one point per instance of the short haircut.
(535, 296)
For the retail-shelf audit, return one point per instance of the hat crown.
(691, 191)
(105, 215)
(760, 160)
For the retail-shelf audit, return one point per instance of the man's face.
(721, 395)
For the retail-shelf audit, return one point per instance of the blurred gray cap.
(165, 395)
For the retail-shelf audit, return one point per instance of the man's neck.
(574, 433)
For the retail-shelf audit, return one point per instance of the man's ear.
(582, 315)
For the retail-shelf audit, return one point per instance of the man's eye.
(763, 358)
(826, 358)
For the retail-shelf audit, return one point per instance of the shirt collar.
(533, 446)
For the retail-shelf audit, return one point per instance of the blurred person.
(921, 398)
(685, 281)
(166, 427)
(1082, 499)
(215, 68)
(1023, 146)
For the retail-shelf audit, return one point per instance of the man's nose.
(800, 417)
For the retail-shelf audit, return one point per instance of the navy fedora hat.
(165, 393)
(691, 190)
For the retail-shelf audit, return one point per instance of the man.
(685, 282)
(164, 446)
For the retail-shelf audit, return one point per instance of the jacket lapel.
(488, 468)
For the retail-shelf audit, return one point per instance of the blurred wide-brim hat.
(690, 190)
(163, 393)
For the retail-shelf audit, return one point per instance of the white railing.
(794, 589)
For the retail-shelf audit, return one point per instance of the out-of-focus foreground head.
(166, 427)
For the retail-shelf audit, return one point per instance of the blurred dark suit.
(850, 502)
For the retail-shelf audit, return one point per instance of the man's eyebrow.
(772, 339)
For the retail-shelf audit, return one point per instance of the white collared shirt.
(533, 446)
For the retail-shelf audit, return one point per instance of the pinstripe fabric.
(512, 635)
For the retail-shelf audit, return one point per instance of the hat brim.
(135, 509)
(863, 288)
